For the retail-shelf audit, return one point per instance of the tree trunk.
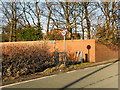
(67, 20)
(75, 26)
(82, 30)
(82, 26)
(11, 31)
(12, 25)
(48, 22)
(88, 21)
(15, 23)
(14, 34)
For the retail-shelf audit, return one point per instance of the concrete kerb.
(100, 63)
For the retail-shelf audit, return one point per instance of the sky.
(43, 19)
(61, 0)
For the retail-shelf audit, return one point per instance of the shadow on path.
(87, 76)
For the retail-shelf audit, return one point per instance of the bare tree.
(110, 12)
(24, 10)
(11, 11)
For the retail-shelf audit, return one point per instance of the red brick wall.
(98, 52)
(103, 52)
(73, 46)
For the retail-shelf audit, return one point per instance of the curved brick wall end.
(103, 52)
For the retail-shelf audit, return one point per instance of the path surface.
(102, 76)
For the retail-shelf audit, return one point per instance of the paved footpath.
(101, 76)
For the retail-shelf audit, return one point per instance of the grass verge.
(49, 71)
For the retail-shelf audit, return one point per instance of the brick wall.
(103, 52)
(97, 53)
(73, 46)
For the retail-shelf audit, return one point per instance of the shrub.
(71, 56)
(30, 34)
(107, 36)
(25, 58)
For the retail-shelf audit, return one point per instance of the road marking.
(104, 65)
(100, 66)
(48, 76)
(26, 81)
(71, 71)
(89, 68)
(86, 68)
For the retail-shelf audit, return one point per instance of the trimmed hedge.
(20, 59)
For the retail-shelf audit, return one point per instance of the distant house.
(55, 31)
(55, 34)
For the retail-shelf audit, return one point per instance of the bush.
(25, 58)
(71, 56)
(30, 34)
(107, 36)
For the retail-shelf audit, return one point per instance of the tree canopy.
(90, 20)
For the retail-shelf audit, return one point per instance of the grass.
(49, 71)
(64, 68)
